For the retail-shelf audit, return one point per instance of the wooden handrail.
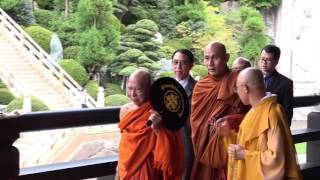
(11, 127)
(40, 55)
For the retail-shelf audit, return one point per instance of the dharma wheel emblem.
(171, 101)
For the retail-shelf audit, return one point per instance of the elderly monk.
(215, 109)
(146, 152)
(265, 149)
(240, 64)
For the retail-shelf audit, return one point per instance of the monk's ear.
(246, 89)
(227, 57)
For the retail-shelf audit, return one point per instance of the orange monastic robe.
(268, 144)
(213, 98)
(144, 155)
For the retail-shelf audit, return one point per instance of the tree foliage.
(116, 100)
(41, 35)
(253, 37)
(259, 4)
(17, 10)
(138, 48)
(5, 96)
(36, 105)
(99, 34)
(75, 70)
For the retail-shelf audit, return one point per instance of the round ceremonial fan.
(170, 100)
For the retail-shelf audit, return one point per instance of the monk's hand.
(156, 120)
(212, 123)
(223, 127)
(236, 152)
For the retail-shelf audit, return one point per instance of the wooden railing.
(11, 127)
(22, 39)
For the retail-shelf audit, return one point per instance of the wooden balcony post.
(9, 155)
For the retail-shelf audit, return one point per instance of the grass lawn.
(301, 148)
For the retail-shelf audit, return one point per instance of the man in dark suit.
(275, 82)
(182, 62)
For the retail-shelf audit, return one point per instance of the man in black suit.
(182, 62)
(275, 82)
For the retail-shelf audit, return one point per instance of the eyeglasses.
(182, 63)
(267, 61)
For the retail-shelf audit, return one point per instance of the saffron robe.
(269, 149)
(213, 98)
(144, 155)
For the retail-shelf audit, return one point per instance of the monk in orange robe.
(265, 148)
(146, 152)
(215, 109)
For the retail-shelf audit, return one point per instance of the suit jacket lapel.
(190, 86)
(275, 82)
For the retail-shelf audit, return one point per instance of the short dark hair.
(186, 52)
(276, 52)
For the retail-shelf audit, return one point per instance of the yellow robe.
(269, 148)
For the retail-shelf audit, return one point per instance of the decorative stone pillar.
(100, 97)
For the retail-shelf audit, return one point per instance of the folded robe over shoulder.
(213, 98)
(145, 155)
(266, 137)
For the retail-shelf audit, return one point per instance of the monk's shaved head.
(252, 77)
(218, 46)
(250, 86)
(216, 58)
(138, 86)
(142, 76)
(240, 64)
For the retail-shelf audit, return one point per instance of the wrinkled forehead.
(214, 50)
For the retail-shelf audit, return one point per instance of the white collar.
(184, 82)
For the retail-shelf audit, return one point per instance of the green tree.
(92, 54)
(252, 37)
(98, 30)
(260, 4)
(138, 47)
(17, 10)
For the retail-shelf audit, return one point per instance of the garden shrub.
(36, 105)
(41, 35)
(75, 70)
(5, 96)
(92, 89)
(116, 100)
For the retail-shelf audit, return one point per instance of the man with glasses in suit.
(182, 63)
(275, 82)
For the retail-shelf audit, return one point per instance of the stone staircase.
(27, 70)
(30, 77)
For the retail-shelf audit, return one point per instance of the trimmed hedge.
(36, 105)
(75, 70)
(43, 17)
(92, 89)
(2, 85)
(116, 100)
(112, 89)
(71, 52)
(41, 35)
(5, 96)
